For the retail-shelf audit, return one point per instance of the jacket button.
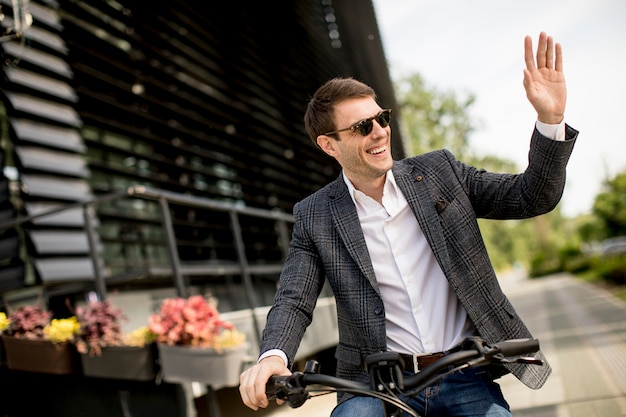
(419, 178)
(378, 311)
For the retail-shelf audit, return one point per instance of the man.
(400, 246)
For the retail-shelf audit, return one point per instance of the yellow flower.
(62, 330)
(139, 337)
(4, 322)
(229, 338)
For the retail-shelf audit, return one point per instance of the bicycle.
(387, 380)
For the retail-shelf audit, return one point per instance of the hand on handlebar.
(475, 352)
(252, 382)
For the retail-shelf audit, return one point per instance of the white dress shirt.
(422, 313)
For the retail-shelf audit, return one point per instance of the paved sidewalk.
(582, 331)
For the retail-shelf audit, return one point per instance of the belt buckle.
(432, 356)
(416, 363)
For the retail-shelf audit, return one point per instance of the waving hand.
(544, 80)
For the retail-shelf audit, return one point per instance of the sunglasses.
(365, 126)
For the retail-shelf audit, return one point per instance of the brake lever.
(522, 359)
(529, 360)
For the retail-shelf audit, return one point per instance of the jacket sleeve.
(515, 196)
(300, 284)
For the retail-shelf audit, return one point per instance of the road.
(582, 330)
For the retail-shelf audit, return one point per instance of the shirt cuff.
(555, 132)
(274, 352)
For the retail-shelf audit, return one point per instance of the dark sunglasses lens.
(384, 118)
(365, 127)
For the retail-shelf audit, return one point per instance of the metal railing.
(177, 269)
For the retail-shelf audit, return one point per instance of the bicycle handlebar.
(295, 389)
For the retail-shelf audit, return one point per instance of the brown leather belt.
(419, 361)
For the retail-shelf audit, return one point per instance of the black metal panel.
(9, 246)
(11, 276)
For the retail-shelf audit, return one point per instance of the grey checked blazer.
(446, 197)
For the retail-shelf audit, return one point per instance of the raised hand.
(544, 80)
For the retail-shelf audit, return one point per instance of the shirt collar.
(390, 185)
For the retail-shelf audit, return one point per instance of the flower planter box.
(40, 356)
(121, 362)
(180, 364)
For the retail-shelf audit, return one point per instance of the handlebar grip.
(272, 388)
(516, 347)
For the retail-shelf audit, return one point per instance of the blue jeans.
(469, 393)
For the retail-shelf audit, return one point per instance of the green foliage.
(610, 268)
(434, 119)
(590, 228)
(610, 206)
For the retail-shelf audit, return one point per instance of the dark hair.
(318, 118)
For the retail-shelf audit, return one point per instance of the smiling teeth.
(377, 150)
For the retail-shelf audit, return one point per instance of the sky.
(478, 47)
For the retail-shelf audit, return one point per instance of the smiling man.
(399, 244)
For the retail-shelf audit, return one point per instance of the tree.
(434, 119)
(610, 206)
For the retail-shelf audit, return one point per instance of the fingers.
(252, 382)
(558, 65)
(528, 53)
(252, 388)
(549, 54)
(247, 389)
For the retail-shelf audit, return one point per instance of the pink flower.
(192, 321)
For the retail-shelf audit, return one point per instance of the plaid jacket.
(446, 197)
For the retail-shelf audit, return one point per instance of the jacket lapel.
(413, 182)
(346, 221)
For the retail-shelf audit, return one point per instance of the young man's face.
(363, 158)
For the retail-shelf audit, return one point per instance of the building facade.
(174, 131)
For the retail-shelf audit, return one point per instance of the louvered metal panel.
(51, 187)
(59, 242)
(51, 161)
(46, 16)
(64, 269)
(50, 110)
(42, 83)
(71, 217)
(48, 135)
(43, 60)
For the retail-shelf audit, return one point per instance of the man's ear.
(327, 144)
